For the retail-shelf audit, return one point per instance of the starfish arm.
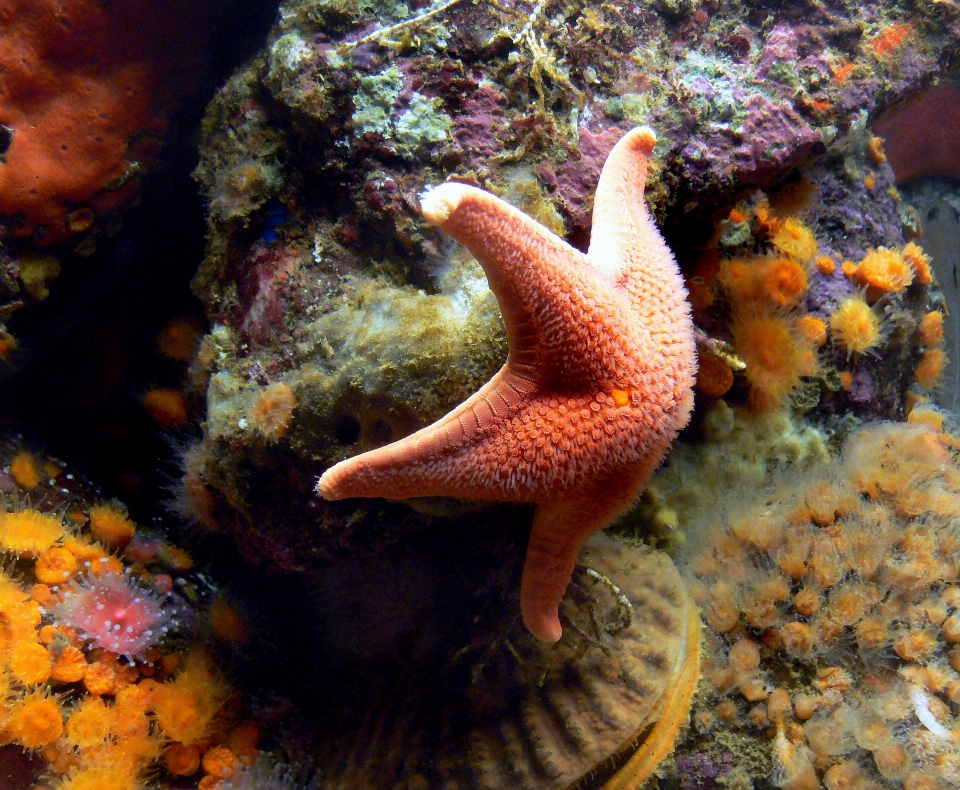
(626, 245)
(560, 528)
(554, 309)
(625, 242)
(620, 216)
(417, 465)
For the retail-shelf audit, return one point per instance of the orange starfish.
(596, 385)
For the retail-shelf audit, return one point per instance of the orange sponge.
(85, 91)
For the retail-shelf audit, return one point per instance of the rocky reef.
(342, 322)
(810, 506)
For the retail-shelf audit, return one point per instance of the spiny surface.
(596, 384)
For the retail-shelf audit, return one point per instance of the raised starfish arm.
(647, 272)
(536, 277)
(619, 210)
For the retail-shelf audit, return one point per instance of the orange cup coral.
(776, 354)
(36, 720)
(111, 526)
(920, 262)
(796, 240)
(272, 412)
(930, 368)
(186, 706)
(931, 329)
(29, 531)
(784, 282)
(883, 271)
(855, 326)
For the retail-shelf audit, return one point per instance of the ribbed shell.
(499, 731)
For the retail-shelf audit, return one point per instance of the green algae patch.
(374, 102)
(376, 106)
(393, 359)
(384, 362)
(421, 124)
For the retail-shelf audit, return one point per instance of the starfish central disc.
(597, 383)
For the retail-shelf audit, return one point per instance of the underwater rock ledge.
(342, 322)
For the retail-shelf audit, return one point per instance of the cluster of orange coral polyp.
(83, 88)
(851, 570)
(778, 282)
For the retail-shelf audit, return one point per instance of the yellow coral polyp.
(920, 262)
(19, 616)
(813, 329)
(111, 526)
(883, 271)
(739, 279)
(796, 240)
(29, 531)
(90, 724)
(30, 663)
(186, 706)
(70, 666)
(930, 368)
(855, 326)
(931, 329)
(91, 556)
(826, 264)
(55, 566)
(776, 356)
(35, 720)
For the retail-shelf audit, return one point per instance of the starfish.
(596, 385)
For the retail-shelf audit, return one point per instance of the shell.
(530, 715)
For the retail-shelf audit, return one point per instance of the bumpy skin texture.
(596, 385)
